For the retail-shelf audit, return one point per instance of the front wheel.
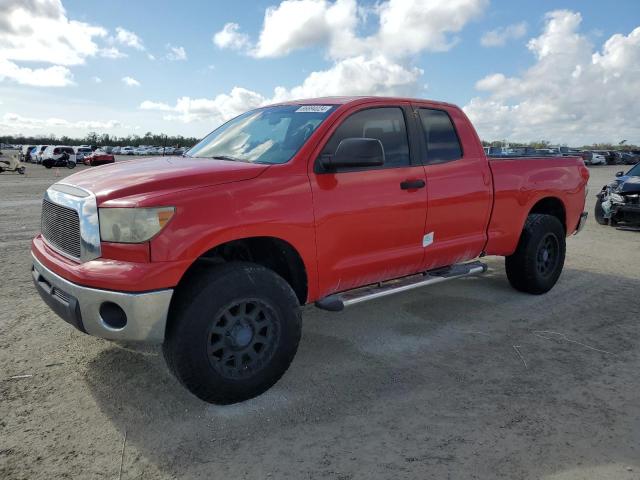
(21, 170)
(71, 164)
(598, 213)
(537, 263)
(233, 332)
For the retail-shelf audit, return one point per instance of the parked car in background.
(25, 152)
(127, 151)
(55, 152)
(629, 158)
(591, 158)
(115, 150)
(82, 151)
(98, 158)
(618, 203)
(37, 153)
(140, 151)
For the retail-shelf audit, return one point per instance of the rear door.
(369, 221)
(459, 186)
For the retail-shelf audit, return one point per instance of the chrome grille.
(61, 228)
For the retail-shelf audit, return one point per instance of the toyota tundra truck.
(328, 201)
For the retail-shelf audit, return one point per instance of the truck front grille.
(61, 228)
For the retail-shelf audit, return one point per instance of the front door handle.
(412, 184)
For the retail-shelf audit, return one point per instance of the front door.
(369, 221)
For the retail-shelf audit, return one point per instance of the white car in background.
(127, 151)
(592, 158)
(140, 151)
(55, 152)
(82, 152)
(115, 151)
(36, 155)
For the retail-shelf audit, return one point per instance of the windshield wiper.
(228, 158)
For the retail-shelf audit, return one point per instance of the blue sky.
(447, 64)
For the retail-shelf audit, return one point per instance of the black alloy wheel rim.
(548, 255)
(242, 338)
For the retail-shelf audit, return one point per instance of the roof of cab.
(357, 100)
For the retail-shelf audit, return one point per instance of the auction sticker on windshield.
(313, 109)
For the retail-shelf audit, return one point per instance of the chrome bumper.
(145, 314)
(582, 222)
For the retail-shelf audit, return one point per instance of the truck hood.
(159, 175)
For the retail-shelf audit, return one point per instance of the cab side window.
(385, 124)
(440, 136)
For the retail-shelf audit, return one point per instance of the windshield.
(266, 135)
(635, 171)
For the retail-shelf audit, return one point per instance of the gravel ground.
(467, 379)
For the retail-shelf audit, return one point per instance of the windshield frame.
(330, 109)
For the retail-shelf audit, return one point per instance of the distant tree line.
(160, 139)
(94, 139)
(623, 145)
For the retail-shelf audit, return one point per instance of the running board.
(337, 302)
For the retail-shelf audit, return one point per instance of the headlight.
(132, 225)
(616, 198)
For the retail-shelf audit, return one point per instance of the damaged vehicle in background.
(618, 203)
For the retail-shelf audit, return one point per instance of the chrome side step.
(338, 301)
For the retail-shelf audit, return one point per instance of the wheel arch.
(551, 206)
(271, 252)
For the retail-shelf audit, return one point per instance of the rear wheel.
(71, 164)
(598, 213)
(233, 332)
(537, 263)
(21, 170)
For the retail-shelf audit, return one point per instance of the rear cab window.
(440, 136)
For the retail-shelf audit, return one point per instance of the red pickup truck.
(331, 201)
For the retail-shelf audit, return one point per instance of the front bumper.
(89, 309)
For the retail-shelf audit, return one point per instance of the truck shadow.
(425, 355)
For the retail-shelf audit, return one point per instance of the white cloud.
(571, 94)
(405, 27)
(16, 122)
(54, 76)
(149, 105)
(296, 24)
(97, 79)
(357, 76)
(215, 110)
(378, 64)
(39, 31)
(130, 82)
(500, 36)
(353, 76)
(129, 39)
(111, 52)
(176, 53)
(230, 37)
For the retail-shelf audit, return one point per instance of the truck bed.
(519, 183)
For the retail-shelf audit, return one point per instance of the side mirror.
(355, 152)
(619, 174)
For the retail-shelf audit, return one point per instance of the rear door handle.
(412, 184)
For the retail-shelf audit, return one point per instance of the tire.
(213, 345)
(598, 213)
(21, 170)
(530, 269)
(71, 165)
(47, 165)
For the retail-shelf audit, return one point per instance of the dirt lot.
(468, 379)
